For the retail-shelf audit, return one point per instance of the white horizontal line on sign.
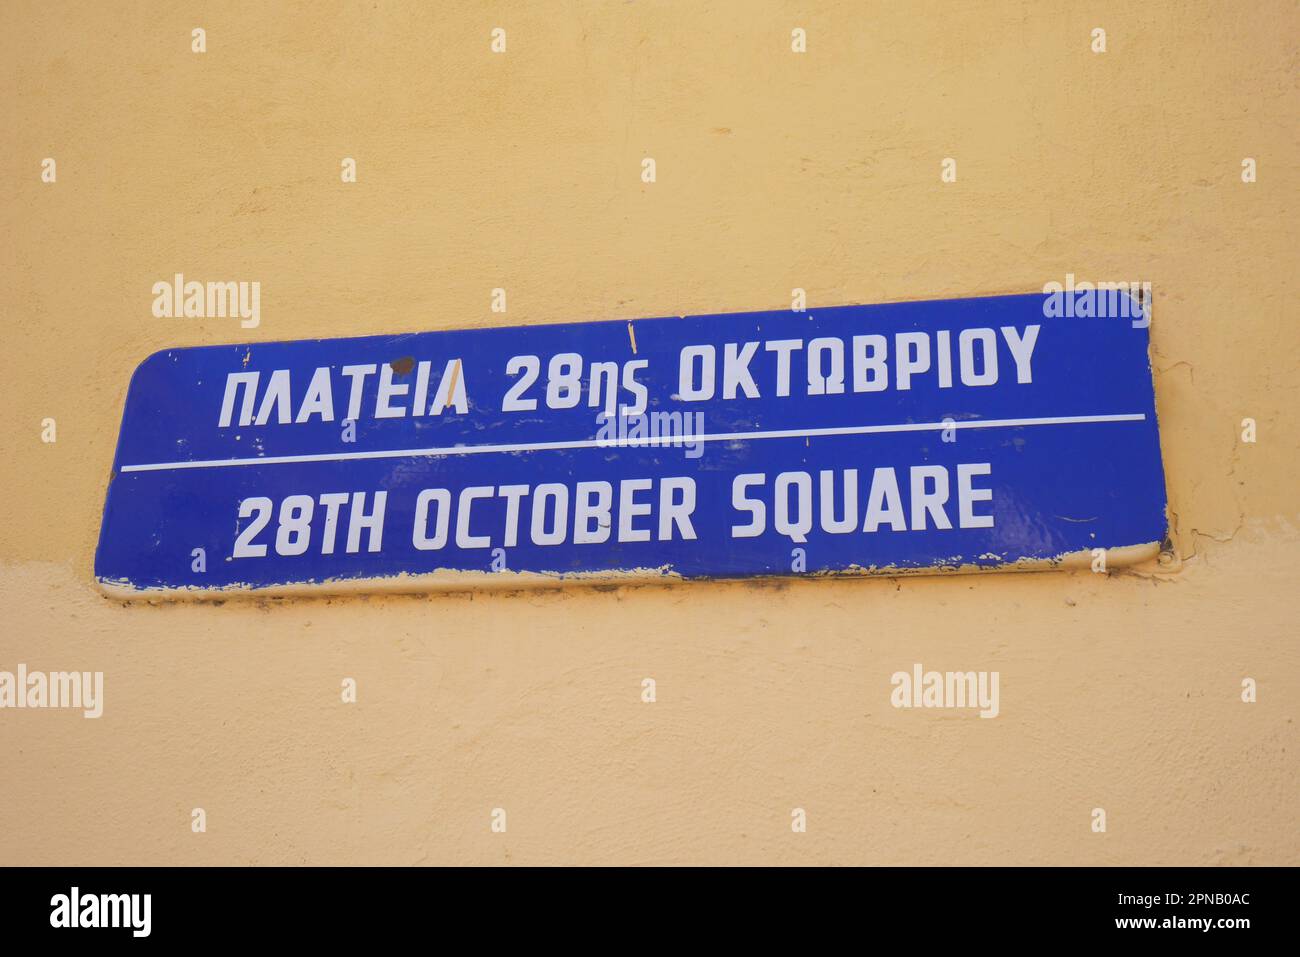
(663, 440)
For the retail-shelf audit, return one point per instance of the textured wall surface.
(775, 170)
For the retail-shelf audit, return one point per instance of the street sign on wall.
(958, 434)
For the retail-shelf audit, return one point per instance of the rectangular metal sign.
(959, 434)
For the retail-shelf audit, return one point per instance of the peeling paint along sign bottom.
(963, 434)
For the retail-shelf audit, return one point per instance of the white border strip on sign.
(632, 443)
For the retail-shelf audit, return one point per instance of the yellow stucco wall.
(775, 170)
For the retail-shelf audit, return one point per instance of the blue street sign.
(957, 434)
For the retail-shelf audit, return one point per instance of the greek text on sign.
(961, 434)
